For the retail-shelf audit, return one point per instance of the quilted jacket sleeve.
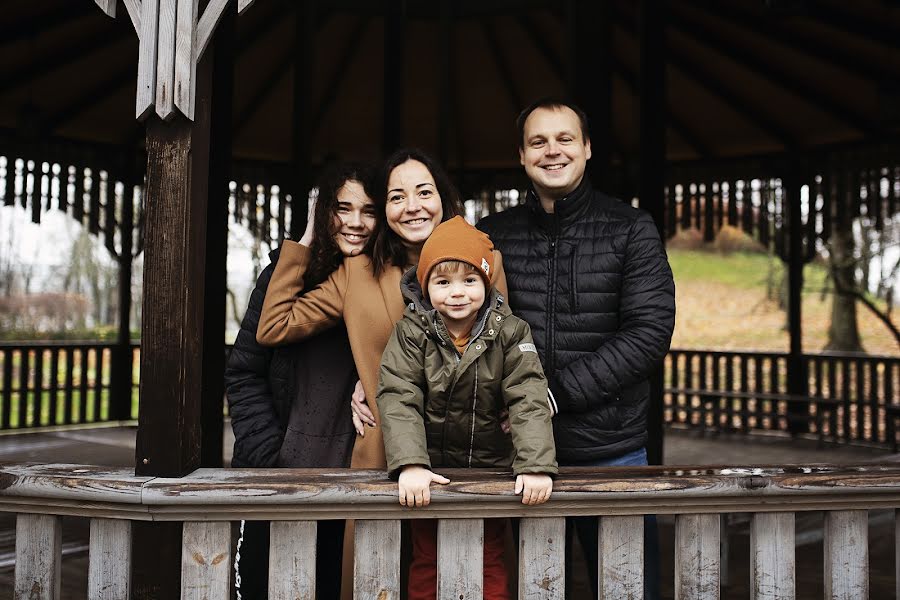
(287, 316)
(646, 322)
(257, 431)
(525, 396)
(401, 402)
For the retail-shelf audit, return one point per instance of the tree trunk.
(843, 333)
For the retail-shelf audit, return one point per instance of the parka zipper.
(551, 303)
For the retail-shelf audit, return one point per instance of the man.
(590, 275)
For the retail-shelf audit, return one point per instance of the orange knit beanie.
(456, 240)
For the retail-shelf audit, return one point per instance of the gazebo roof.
(744, 76)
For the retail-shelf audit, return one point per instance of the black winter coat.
(593, 281)
(289, 406)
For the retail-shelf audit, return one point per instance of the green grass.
(742, 270)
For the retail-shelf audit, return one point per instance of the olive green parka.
(440, 409)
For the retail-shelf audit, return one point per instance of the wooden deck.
(115, 447)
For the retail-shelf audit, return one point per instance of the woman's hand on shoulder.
(310, 233)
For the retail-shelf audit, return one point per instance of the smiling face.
(413, 207)
(554, 152)
(354, 218)
(456, 291)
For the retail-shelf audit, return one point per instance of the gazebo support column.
(172, 332)
(302, 129)
(590, 80)
(651, 187)
(394, 41)
(796, 367)
(220, 136)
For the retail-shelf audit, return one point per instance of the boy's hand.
(415, 485)
(535, 488)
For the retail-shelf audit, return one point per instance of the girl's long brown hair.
(326, 255)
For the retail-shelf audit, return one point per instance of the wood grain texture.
(206, 561)
(185, 66)
(697, 557)
(772, 557)
(38, 555)
(460, 559)
(292, 560)
(207, 25)
(542, 555)
(621, 556)
(134, 12)
(146, 80)
(376, 564)
(846, 554)
(165, 59)
(109, 568)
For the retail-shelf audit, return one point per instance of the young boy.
(456, 363)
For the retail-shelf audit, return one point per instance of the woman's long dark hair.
(326, 255)
(388, 248)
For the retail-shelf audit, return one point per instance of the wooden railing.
(850, 397)
(207, 500)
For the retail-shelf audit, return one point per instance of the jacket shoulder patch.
(527, 348)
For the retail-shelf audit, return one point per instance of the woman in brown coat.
(413, 195)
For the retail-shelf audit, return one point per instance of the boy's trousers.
(423, 569)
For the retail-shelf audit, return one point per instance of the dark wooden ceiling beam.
(87, 100)
(502, 65)
(539, 41)
(720, 43)
(17, 30)
(60, 59)
(839, 18)
(712, 84)
(780, 32)
(700, 147)
(276, 75)
(348, 53)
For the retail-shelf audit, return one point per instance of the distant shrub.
(732, 239)
(686, 239)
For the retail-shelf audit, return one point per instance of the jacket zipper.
(551, 304)
(474, 403)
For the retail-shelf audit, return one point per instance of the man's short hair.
(552, 103)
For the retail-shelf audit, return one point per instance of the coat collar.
(567, 210)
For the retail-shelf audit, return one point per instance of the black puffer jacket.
(289, 406)
(594, 283)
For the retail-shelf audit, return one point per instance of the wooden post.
(797, 383)
(651, 188)
(206, 560)
(846, 554)
(460, 554)
(445, 97)
(394, 32)
(292, 560)
(122, 364)
(38, 556)
(621, 555)
(772, 573)
(376, 563)
(697, 557)
(590, 80)
(109, 569)
(169, 436)
(301, 129)
(213, 384)
(542, 555)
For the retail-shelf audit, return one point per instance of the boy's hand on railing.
(535, 488)
(415, 485)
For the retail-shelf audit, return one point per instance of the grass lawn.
(721, 303)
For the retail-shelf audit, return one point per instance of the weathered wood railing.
(207, 500)
(850, 397)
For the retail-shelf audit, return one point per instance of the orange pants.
(423, 569)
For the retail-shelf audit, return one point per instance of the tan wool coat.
(369, 307)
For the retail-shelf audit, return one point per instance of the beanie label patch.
(527, 348)
(485, 267)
